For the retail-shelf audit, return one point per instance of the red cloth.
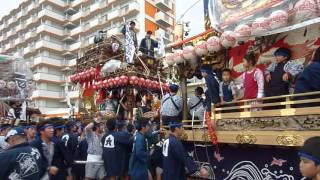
(250, 85)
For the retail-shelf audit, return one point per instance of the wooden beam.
(277, 138)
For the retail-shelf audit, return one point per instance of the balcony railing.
(281, 120)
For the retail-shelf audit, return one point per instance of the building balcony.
(54, 15)
(47, 94)
(51, 29)
(30, 49)
(163, 19)
(50, 45)
(49, 61)
(56, 2)
(45, 77)
(165, 5)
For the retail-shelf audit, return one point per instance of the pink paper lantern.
(278, 19)
(228, 39)
(213, 44)
(189, 53)
(243, 32)
(261, 25)
(305, 10)
(178, 56)
(169, 59)
(201, 48)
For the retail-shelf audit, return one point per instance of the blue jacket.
(309, 79)
(71, 143)
(61, 159)
(144, 48)
(113, 154)
(20, 162)
(80, 154)
(44, 164)
(175, 159)
(212, 93)
(138, 165)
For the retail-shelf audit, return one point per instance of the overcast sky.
(195, 15)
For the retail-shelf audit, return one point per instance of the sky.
(195, 15)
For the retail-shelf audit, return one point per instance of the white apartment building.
(53, 33)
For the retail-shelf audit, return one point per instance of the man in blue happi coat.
(61, 158)
(70, 140)
(175, 158)
(112, 152)
(212, 83)
(20, 161)
(138, 166)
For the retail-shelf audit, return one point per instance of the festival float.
(239, 141)
(103, 74)
(16, 87)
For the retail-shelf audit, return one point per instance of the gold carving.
(289, 140)
(184, 137)
(246, 139)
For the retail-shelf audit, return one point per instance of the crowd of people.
(101, 149)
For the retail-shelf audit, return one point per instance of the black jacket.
(144, 48)
(20, 162)
(44, 164)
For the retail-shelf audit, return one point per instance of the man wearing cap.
(147, 45)
(4, 129)
(46, 148)
(310, 158)
(195, 104)
(20, 161)
(112, 154)
(212, 83)
(94, 132)
(171, 106)
(138, 165)
(176, 158)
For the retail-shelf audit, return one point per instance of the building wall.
(53, 33)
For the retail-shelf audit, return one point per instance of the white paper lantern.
(189, 53)
(2, 84)
(201, 48)
(243, 32)
(260, 25)
(228, 39)
(11, 85)
(178, 57)
(169, 59)
(278, 19)
(304, 10)
(213, 44)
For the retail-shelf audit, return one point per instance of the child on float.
(252, 80)
(227, 87)
(280, 73)
(310, 158)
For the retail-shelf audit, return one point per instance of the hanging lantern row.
(227, 39)
(88, 75)
(133, 81)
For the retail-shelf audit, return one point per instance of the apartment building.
(53, 33)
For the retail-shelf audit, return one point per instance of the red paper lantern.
(100, 84)
(134, 80)
(117, 81)
(111, 83)
(142, 82)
